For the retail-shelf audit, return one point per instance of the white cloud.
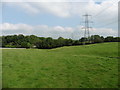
(57, 9)
(102, 14)
(66, 9)
(53, 0)
(46, 0)
(8, 26)
(28, 7)
(104, 31)
(55, 31)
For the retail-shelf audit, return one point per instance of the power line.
(115, 20)
(108, 24)
(104, 10)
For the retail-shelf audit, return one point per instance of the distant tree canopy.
(32, 41)
(97, 38)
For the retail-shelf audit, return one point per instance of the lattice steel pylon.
(87, 33)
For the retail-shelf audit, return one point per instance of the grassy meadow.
(85, 66)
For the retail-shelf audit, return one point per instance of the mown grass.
(89, 66)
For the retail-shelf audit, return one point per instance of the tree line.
(32, 41)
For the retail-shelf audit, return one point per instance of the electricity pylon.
(87, 28)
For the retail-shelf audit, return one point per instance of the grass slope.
(90, 66)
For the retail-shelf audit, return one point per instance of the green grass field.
(89, 66)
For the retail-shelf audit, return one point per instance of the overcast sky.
(58, 17)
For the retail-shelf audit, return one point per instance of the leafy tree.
(97, 39)
(76, 42)
(26, 45)
(21, 41)
(10, 46)
(83, 39)
(49, 42)
(117, 39)
(61, 41)
(109, 39)
(0, 41)
(69, 42)
(39, 44)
